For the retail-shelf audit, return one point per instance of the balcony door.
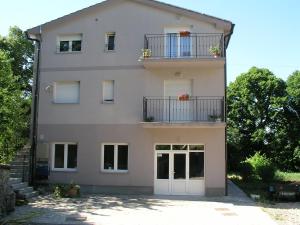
(176, 110)
(176, 44)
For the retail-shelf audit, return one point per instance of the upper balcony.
(183, 49)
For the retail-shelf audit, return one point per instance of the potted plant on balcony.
(184, 33)
(146, 53)
(215, 51)
(149, 119)
(215, 118)
(184, 97)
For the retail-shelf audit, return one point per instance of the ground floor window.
(114, 157)
(64, 156)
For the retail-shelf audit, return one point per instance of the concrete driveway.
(235, 209)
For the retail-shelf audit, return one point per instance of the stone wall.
(7, 196)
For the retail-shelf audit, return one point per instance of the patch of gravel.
(284, 213)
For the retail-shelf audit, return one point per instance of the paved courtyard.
(235, 209)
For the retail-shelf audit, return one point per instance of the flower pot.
(184, 33)
(217, 55)
(73, 192)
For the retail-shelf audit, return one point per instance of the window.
(114, 157)
(108, 90)
(70, 43)
(110, 41)
(64, 156)
(196, 165)
(66, 92)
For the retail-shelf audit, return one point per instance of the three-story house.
(132, 98)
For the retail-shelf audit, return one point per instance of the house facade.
(132, 99)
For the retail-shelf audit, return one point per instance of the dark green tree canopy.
(20, 51)
(257, 101)
(13, 118)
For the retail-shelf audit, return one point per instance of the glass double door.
(177, 173)
(177, 46)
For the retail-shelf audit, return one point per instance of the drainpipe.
(35, 103)
(226, 39)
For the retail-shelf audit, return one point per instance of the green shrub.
(262, 167)
(59, 191)
(66, 191)
(245, 170)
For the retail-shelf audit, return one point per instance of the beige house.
(131, 99)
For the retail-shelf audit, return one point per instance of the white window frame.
(113, 92)
(115, 169)
(107, 34)
(70, 38)
(54, 97)
(65, 169)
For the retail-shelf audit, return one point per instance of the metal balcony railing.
(184, 45)
(183, 109)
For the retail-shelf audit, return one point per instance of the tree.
(256, 113)
(13, 119)
(293, 118)
(20, 51)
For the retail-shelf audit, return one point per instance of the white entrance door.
(179, 169)
(176, 110)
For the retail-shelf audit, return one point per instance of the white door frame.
(190, 185)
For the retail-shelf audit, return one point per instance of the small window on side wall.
(70, 43)
(108, 91)
(110, 39)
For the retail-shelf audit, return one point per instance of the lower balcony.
(183, 111)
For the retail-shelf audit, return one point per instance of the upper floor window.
(66, 92)
(70, 43)
(110, 39)
(108, 91)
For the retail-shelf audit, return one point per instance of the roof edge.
(225, 24)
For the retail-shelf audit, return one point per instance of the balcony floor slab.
(191, 124)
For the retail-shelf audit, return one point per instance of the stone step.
(18, 166)
(14, 180)
(16, 174)
(25, 190)
(20, 185)
(31, 194)
(21, 157)
(19, 162)
(19, 170)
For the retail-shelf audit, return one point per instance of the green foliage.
(262, 167)
(293, 122)
(246, 170)
(66, 191)
(20, 51)
(13, 119)
(16, 56)
(215, 50)
(287, 176)
(259, 117)
(59, 191)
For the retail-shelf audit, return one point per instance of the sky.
(267, 32)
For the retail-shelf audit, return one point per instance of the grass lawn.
(288, 177)
(258, 187)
